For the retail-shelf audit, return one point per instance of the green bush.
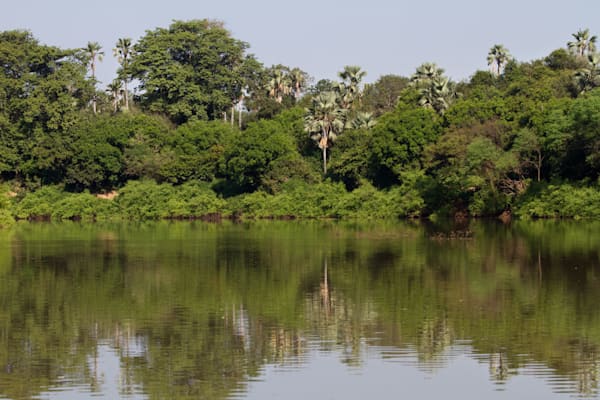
(139, 200)
(6, 217)
(559, 201)
(329, 200)
(39, 204)
(84, 206)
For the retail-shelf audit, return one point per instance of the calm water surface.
(300, 310)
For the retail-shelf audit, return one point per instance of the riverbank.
(148, 200)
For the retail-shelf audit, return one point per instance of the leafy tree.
(488, 171)
(382, 96)
(398, 141)
(248, 155)
(191, 70)
(552, 129)
(42, 90)
(497, 57)
(196, 149)
(562, 59)
(124, 52)
(324, 120)
(529, 148)
(583, 148)
(352, 161)
(584, 44)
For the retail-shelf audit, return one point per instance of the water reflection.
(214, 311)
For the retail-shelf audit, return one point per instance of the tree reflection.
(195, 311)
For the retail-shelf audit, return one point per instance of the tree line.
(191, 106)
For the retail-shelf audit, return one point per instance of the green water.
(300, 310)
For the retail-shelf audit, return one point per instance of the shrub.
(559, 201)
(39, 204)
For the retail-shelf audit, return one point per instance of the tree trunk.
(240, 118)
(232, 114)
(93, 67)
(126, 95)
(324, 160)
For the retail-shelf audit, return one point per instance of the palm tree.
(93, 53)
(425, 73)
(363, 120)
(279, 83)
(298, 80)
(325, 119)
(123, 51)
(498, 57)
(437, 96)
(114, 89)
(583, 43)
(349, 88)
(588, 78)
(437, 91)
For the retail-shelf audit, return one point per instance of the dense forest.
(194, 126)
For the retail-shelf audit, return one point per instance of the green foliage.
(39, 204)
(42, 89)
(583, 147)
(83, 206)
(475, 146)
(382, 96)
(196, 148)
(140, 200)
(559, 201)
(352, 162)
(366, 202)
(298, 199)
(52, 202)
(6, 217)
(105, 149)
(398, 141)
(191, 70)
(248, 155)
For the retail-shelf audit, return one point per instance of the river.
(299, 310)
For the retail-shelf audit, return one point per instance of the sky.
(322, 36)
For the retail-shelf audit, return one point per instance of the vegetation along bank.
(193, 125)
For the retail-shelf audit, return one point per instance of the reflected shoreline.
(189, 310)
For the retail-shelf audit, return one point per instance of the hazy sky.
(321, 36)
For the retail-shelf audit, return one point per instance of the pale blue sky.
(321, 36)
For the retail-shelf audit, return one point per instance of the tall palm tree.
(349, 88)
(114, 89)
(94, 53)
(298, 80)
(436, 90)
(279, 83)
(123, 51)
(583, 43)
(437, 95)
(324, 120)
(497, 58)
(425, 73)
